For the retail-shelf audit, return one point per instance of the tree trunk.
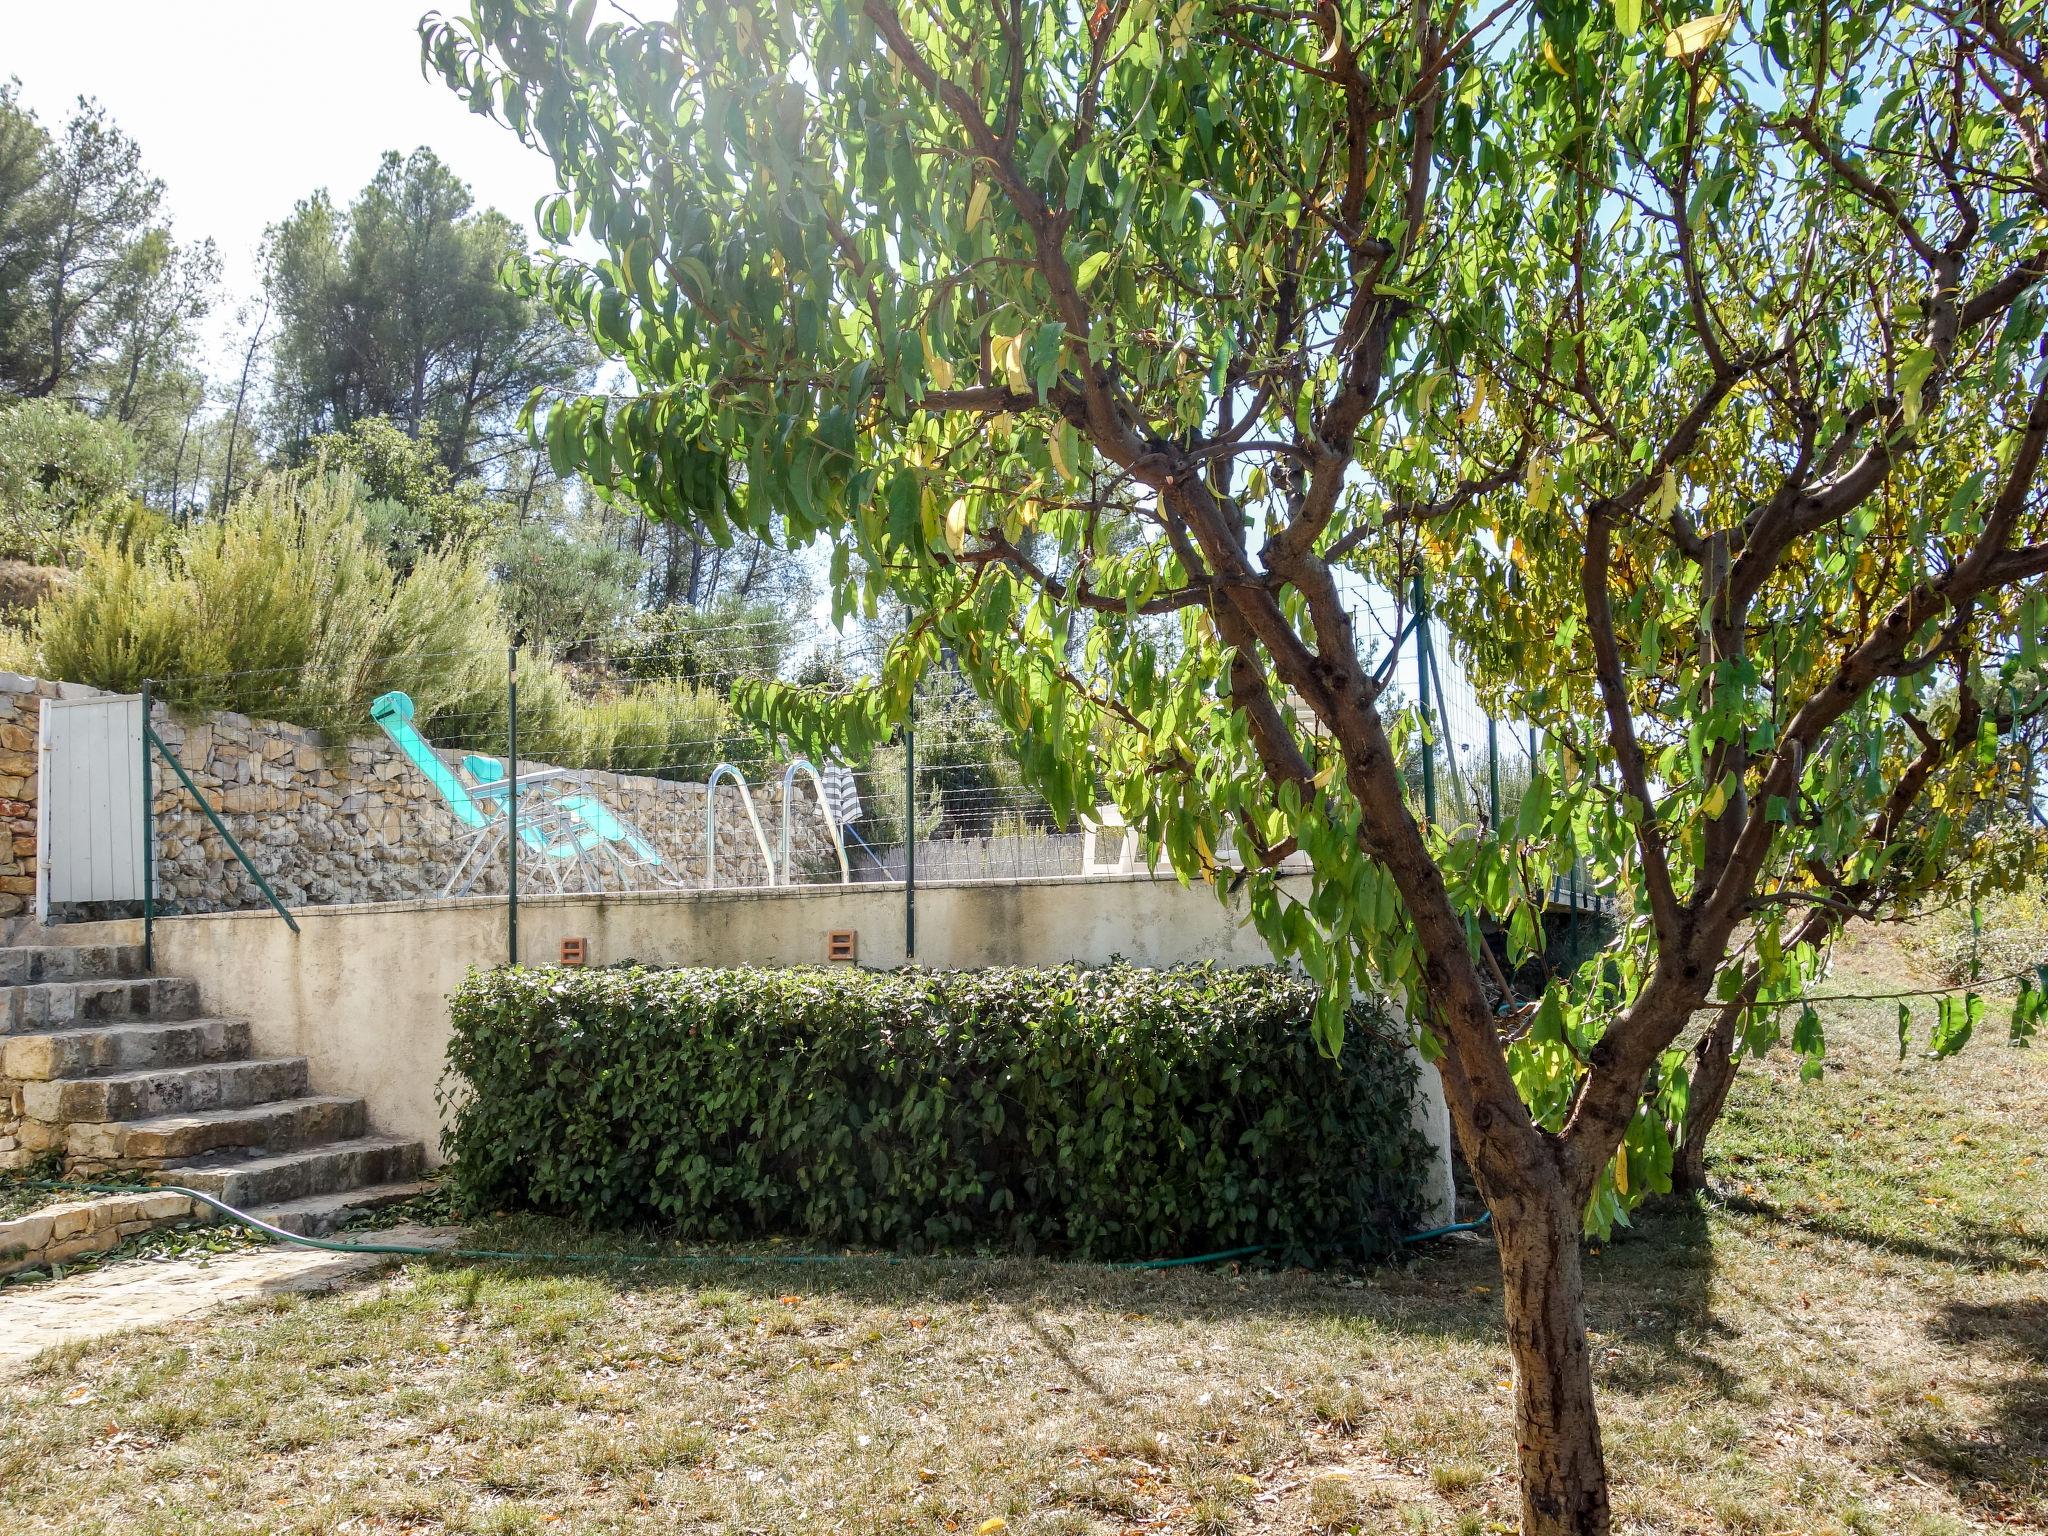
(1713, 1071)
(1557, 1430)
(241, 395)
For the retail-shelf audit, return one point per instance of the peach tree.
(1695, 355)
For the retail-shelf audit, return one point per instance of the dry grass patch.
(1853, 1343)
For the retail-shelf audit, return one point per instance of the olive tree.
(1127, 343)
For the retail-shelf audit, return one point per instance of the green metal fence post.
(151, 739)
(148, 840)
(512, 806)
(1493, 774)
(910, 831)
(1424, 664)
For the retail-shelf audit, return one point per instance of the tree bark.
(1713, 1072)
(1557, 1428)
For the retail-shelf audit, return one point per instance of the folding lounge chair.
(604, 831)
(574, 837)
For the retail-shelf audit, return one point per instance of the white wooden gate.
(89, 809)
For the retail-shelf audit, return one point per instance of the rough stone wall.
(59, 1233)
(358, 823)
(20, 706)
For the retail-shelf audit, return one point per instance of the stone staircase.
(116, 1069)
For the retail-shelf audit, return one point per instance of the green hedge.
(1110, 1113)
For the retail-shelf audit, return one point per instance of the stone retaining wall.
(20, 704)
(358, 823)
(59, 1233)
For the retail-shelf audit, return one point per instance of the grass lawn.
(1854, 1340)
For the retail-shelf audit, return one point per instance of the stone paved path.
(145, 1294)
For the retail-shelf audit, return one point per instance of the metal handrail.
(824, 806)
(149, 913)
(711, 823)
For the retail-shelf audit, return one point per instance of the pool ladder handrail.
(789, 774)
(711, 823)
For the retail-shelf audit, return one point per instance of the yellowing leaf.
(1715, 803)
(1057, 448)
(1665, 502)
(1550, 58)
(1628, 16)
(1537, 483)
(1709, 87)
(1621, 1169)
(977, 200)
(992, 1525)
(1013, 365)
(1182, 27)
(1470, 415)
(935, 364)
(1702, 32)
(956, 525)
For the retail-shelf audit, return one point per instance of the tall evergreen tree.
(392, 307)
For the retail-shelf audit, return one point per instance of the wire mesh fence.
(490, 785)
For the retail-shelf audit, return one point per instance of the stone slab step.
(24, 963)
(31, 1006)
(122, 1048)
(278, 1177)
(318, 1215)
(164, 1090)
(277, 1127)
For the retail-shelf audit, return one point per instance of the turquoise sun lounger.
(577, 840)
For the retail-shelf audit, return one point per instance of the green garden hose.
(517, 1256)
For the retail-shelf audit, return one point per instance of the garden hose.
(519, 1256)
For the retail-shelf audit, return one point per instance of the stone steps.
(274, 1127)
(29, 1006)
(317, 1215)
(115, 1068)
(29, 963)
(122, 1047)
(158, 1091)
(275, 1178)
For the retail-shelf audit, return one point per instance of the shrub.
(60, 469)
(2009, 936)
(563, 587)
(284, 610)
(1109, 1113)
(413, 502)
(712, 646)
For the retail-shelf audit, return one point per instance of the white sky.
(242, 107)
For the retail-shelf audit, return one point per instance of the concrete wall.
(362, 991)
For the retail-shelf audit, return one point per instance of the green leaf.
(1913, 375)
(1956, 1019)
